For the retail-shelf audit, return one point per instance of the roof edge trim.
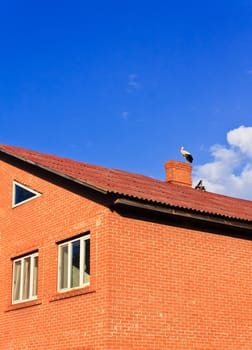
(67, 177)
(185, 213)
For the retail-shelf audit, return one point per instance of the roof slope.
(136, 186)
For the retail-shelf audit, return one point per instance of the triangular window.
(22, 194)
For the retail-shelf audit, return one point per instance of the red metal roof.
(137, 186)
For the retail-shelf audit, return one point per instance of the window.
(22, 194)
(25, 278)
(74, 263)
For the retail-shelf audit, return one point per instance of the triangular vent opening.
(22, 194)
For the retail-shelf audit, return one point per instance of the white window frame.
(31, 278)
(14, 184)
(69, 263)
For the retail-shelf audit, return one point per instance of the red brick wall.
(180, 289)
(53, 321)
(152, 286)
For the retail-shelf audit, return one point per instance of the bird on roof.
(187, 155)
(200, 186)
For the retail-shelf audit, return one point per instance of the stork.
(187, 155)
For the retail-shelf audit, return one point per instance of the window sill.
(72, 293)
(23, 305)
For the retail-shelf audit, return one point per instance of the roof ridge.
(13, 150)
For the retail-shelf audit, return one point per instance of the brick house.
(96, 258)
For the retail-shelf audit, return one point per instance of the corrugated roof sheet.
(137, 186)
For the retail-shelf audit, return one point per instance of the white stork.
(187, 155)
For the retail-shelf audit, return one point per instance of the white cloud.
(241, 138)
(230, 172)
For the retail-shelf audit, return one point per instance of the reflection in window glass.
(75, 275)
(35, 277)
(25, 278)
(16, 280)
(63, 266)
(86, 276)
(74, 263)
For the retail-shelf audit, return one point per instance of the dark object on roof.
(200, 186)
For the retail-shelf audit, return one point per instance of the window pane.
(16, 280)
(74, 263)
(26, 278)
(35, 277)
(63, 266)
(86, 277)
(22, 194)
(75, 273)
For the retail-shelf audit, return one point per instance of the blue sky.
(125, 84)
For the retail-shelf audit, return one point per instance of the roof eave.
(183, 213)
(55, 172)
